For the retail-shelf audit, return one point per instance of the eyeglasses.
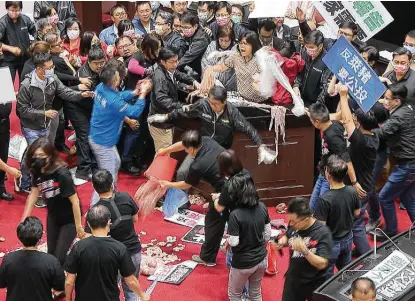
(98, 63)
(160, 24)
(345, 33)
(50, 68)
(124, 46)
(14, 11)
(119, 15)
(292, 224)
(399, 63)
(409, 44)
(173, 62)
(237, 15)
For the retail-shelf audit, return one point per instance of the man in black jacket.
(402, 72)
(163, 26)
(197, 42)
(165, 97)
(34, 103)
(312, 83)
(219, 119)
(14, 37)
(399, 132)
(80, 114)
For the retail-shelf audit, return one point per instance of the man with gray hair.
(94, 263)
(163, 27)
(363, 289)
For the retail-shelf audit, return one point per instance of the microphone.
(396, 246)
(410, 230)
(346, 271)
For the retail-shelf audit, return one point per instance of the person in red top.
(71, 35)
(292, 65)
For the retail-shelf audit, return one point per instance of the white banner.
(370, 16)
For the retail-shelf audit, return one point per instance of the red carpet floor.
(204, 284)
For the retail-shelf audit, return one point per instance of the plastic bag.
(175, 198)
(147, 196)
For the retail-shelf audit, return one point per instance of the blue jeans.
(374, 208)
(229, 255)
(341, 254)
(129, 295)
(359, 232)
(401, 183)
(321, 186)
(129, 142)
(107, 158)
(30, 136)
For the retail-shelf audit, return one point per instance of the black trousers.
(214, 229)
(60, 133)
(296, 291)
(80, 118)
(60, 238)
(4, 144)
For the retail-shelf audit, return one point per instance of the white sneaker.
(72, 137)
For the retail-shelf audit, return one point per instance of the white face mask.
(159, 29)
(73, 34)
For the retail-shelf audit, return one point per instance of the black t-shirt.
(334, 143)
(382, 116)
(56, 188)
(97, 261)
(31, 275)
(205, 166)
(336, 207)
(248, 224)
(319, 241)
(124, 232)
(363, 150)
(226, 199)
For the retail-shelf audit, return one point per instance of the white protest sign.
(370, 16)
(17, 147)
(269, 9)
(6, 86)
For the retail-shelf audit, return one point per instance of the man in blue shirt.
(110, 108)
(110, 34)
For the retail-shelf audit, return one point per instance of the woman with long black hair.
(52, 179)
(249, 228)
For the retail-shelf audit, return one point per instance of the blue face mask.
(410, 48)
(49, 73)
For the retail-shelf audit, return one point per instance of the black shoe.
(63, 149)
(83, 176)
(382, 237)
(160, 202)
(130, 169)
(185, 206)
(6, 196)
(355, 253)
(69, 127)
(40, 203)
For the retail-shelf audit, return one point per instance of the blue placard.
(352, 70)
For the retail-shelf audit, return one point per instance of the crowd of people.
(122, 90)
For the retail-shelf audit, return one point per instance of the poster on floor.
(370, 16)
(175, 274)
(17, 147)
(7, 88)
(187, 218)
(196, 235)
